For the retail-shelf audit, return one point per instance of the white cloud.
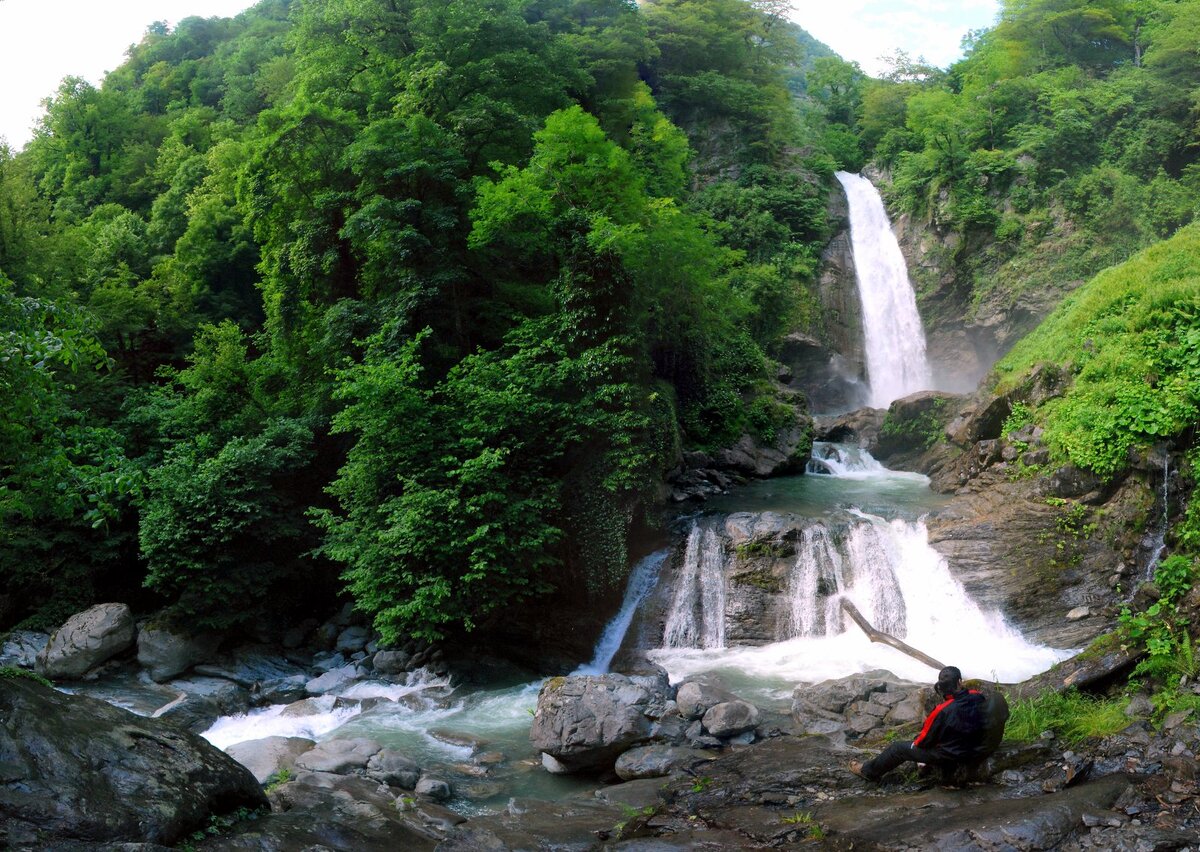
(864, 30)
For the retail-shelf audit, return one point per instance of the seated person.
(953, 734)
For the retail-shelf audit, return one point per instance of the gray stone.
(202, 700)
(394, 769)
(332, 680)
(328, 661)
(694, 698)
(834, 696)
(1139, 707)
(340, 756)
(271, 678)
(730, 718)
(76, 769)
(656, 761)
(586, 722)
(319, 811)
(911, 709)
(165, 652)
(87, 639)
(1078, 613)
(435, 788)
(392, 662)
(21, 648)
(352, 639)
(270, 755)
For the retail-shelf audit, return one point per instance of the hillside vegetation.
(1063, 142)
(413, 298)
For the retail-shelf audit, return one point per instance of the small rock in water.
(434, 788)
(1078, 613)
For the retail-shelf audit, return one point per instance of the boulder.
(786, 454)
(980, 419)
(77, 770)
(914, 422)
(730, 718)
(87, 639)
(856, 703)
(585, 723)
(859, 427)
(21, 648)
(657, 761)
(392, 662)
(694, 698)
(270, 755)
(271, 679)
(332, 680)
(202, 700)
(352, 639)
(348, 756)
(394, 769)
(435, 788)
(165, 652)
(319, 811)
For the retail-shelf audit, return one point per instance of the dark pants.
(898, 753)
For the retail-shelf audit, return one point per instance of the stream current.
(863, 538)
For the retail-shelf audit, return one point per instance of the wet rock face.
(76, 769)
(87, 639)
(585, 723)
(165, 652)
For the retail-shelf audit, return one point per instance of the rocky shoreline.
(691, 766)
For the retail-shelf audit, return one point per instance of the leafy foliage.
(454, 280)
(1131, 341)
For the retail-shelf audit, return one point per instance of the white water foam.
(642, 580)
(939, 618)
(270, 721)
(323, 715)
(895, 339)
(697, 614)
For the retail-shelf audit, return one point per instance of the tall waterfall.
(697, 615)
(895, 340)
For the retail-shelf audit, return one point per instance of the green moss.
(760, 580)
(762, 548)
(1101, 646)
(12, 672)
(922, 431)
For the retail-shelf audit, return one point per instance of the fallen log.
(876, 636)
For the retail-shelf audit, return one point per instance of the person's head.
(949, 681)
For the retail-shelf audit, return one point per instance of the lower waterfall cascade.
(885, 567)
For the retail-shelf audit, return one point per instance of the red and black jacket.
(955, 729)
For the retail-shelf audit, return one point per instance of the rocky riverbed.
(686, 767)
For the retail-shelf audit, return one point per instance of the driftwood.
(875, 636)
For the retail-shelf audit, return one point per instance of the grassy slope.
(1130, 338)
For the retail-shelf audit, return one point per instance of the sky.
(864, 30)
(43, 41)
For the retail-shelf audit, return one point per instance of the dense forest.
(418, 301)
(421, 295)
